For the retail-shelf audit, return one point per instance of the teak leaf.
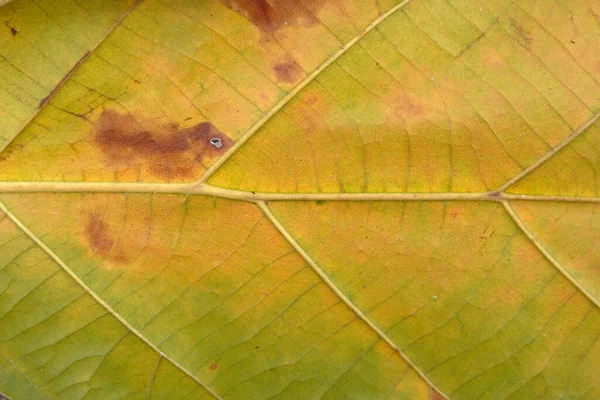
(257, 199)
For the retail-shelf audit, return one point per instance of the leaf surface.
(331, 199)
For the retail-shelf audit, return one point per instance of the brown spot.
(435, 395)
(172, 152)
(495, 195)
(409, 108)
(100, 239)
(270, 16)
(523, 34)
(213, 367)
(288, 72)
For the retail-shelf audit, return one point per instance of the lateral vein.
(265, 209)
(551, 153)
(515, 217)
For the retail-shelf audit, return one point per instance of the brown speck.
(13, 31)
(271, 16)
(288, 72)
(435, 395)
(171, 151)
(213, 367)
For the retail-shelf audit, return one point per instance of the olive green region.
(13, 381)
(461, 291)
(57, 341)
(40, 42)
(217, 289)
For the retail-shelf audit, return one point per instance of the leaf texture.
(332, 199)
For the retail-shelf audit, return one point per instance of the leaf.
(319, 199)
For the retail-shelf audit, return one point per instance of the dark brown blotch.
(271, 16)
(100, 239)
(172, 152)
(288, 72)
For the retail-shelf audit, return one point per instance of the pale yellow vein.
(296, 90)
(515, 217)
(549, 154)
(96, 297)
(263, 206)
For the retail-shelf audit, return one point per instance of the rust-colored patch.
(213, 367)
(408, 107)
(270, 16)
(8, 152)
(435, 395)
(100, 239)
(171, 152)
(288, 72)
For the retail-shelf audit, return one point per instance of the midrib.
(215, 191)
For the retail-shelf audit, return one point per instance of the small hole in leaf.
(216, 142)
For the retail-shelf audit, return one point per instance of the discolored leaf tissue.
(337, 199)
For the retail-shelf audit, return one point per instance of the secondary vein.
(263, 206)
(517, 220)
(88, 290)
(551, 153)
(296, 90)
